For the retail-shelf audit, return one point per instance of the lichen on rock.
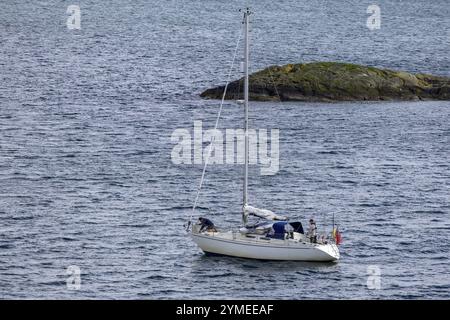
(335, 81)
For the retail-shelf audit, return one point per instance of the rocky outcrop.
(333, 81)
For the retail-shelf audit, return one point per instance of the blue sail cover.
(279, 229)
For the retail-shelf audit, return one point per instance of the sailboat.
(275, 238)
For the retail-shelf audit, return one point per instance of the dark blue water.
(86, 177)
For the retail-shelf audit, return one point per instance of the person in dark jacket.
(206, 225)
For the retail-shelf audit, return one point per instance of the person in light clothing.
(312, 231)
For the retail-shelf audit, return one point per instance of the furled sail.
(262, 213)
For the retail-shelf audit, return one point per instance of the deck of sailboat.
(255, 239)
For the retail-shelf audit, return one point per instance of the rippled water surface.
(86, 177)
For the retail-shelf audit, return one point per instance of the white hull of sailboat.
(236, 245)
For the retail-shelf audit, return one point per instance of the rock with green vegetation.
(333, 81)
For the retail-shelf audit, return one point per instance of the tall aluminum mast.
(246, 62)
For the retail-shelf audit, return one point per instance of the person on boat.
(206, 225)
(312, 231)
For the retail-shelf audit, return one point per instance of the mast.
(246, 62)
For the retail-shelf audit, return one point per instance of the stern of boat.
(330, 251)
